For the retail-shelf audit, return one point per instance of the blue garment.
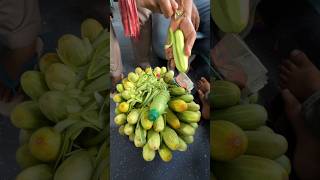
(160, 26)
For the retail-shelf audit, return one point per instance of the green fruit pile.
(242, 146)
(156, 113)
(64, 126)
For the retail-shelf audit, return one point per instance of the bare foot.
(299, 75)
(307, 149)
(204, 88)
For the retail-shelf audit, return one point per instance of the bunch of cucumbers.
(64, 122)
(155, 113)
(242, 146)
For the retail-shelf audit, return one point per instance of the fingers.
(166, 7)
(189, 34)
(204, 80)
(195, 17)
(298, 57)
(171, 63)
(289, 65)
(201, 95)
(174, 5)
(169, 53)
(284, 70)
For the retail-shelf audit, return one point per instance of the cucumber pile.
(242, 146)
(64, 123)
(155, 113)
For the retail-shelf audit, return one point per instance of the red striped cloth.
(129, 17)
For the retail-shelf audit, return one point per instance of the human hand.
(165, 7)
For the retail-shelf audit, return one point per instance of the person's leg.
(203, 91)
(142, 46)
(203, 44)
(116, 67)
(19, 27)
(160, 27)
(300, 76)
(306, 154)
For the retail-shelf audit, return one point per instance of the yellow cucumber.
(140, 136)
(246, 116)
(177, 91)
(121, 130)
(145, 122)
(128, 129)
(188, 139)
(284, 161)
(172, 119)
(171, 138)
(265, 144)
(120, 119)
(194, 125)
(165, 153)
(147, 153)
(182, 145)
(186, 129)
(192, 106)
(265, 129)
(153, 140)
(186, 98)
(158, 125)
(133, 116)
(190, 116)
(178, 105)
(131, 137)
(249, 168)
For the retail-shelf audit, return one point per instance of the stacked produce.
(242, 146)
(64, 125)
(155, 113)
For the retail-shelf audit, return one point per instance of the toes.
(299, 58)
(284, 70)
(201, 95)
(204, 80)
(283, 79)
(289, 65)
(200, 84)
